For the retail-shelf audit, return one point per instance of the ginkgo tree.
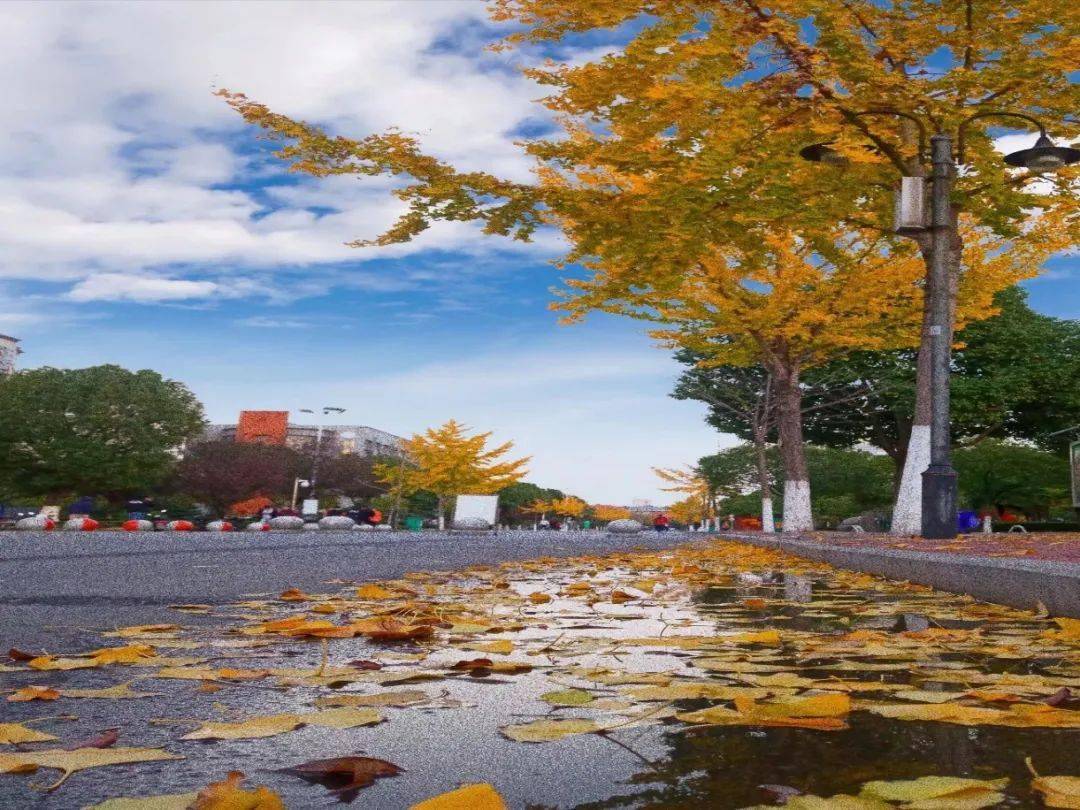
(700, 501)
(448, 462)
(680, 142)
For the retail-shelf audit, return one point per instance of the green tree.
(1016, 375)
(514, 500)
(1001, 475)
(843, 482)
(100, 430)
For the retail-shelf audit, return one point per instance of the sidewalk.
(1033, 572)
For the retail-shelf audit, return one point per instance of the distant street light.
(326, 410)
(939, 479)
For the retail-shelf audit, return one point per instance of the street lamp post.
(326, 409)
(939, 478)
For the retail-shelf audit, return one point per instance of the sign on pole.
(311, 506)
(477, 506)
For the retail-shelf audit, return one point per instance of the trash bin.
(414, 523)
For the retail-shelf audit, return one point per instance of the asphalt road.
(54, 586)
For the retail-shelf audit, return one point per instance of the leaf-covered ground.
(713, 675)
(1057, 546)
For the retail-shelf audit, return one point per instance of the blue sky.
(144, 225)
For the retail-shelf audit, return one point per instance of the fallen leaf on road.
(295, 595)
(344, 717)
(372, 591)
(121, 691)
(838, 802)
(228, 795)
(255, 727)
(14, 733)
(33, 693)
(18, 655)
(399, 699)
(500, 647)
(568, 697)
(539, 598)
(105, 739)
(202, 674)
(131, 654)
(390, 629)
(172, 801)
(70, 762)
(47, 663)
(1057, 791)
(468, 797)
(541, 731)
(344, 775)
(933, 792)
(820, 712)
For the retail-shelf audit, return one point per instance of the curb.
(1016, 583)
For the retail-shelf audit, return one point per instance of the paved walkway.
(1020, 573)
(1059, 546)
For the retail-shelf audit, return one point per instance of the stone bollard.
(624, 526)
(290, 523)
(180, 526)
(988, 524)
(80, 525)
(336, 523)
(258, 526)
(219, 526)
(36, 523)
(137, 525)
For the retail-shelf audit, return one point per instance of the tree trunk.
(798, 515)
(442, 513)
(907, 512)
(764, 481)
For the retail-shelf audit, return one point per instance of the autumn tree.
(700, 501)
(448, 462)
(683, 144)
(606, 513)
(568, 506)
(223, 473)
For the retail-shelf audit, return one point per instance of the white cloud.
(116, 151)
(121, 287)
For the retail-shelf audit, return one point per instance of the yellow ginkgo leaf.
(372, 591)
(228, 795)
(541, 731)
(500, 647)
(48, 663)
(77, 760)
(399, 698)
(343, 717)
(938, 792)
(121, 691)
(28, 693)
(567, 697)
(469, 797)
(172, 801)
(123, 655)
(539, 597)
(1058, 791)
(254, 727)
(838, 802)
(14, 733)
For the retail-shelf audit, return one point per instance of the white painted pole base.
(767, 524)
(907, 513)
(798, 515)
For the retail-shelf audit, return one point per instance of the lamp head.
(1044, 156)
(822, 153)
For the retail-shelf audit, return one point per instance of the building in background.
(273, 427)
(9, 352)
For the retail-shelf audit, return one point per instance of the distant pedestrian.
(268, 512)
(661, 522)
